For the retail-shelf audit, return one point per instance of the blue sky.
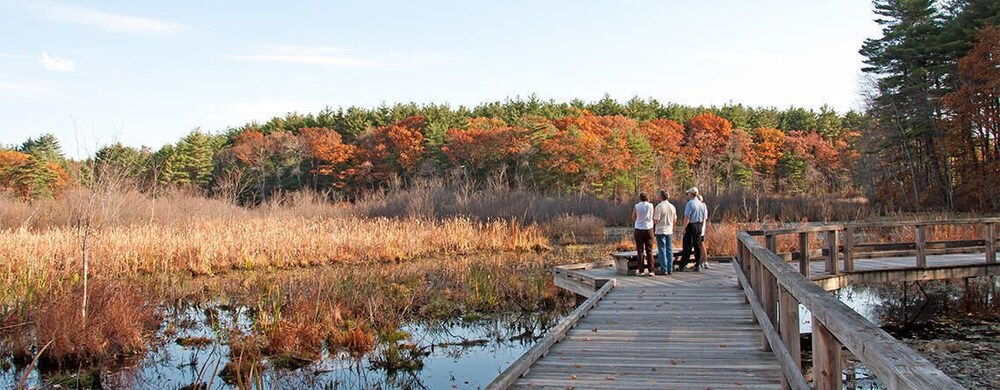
(147, 72)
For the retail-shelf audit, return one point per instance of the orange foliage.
(768, 148)
(249, 147)
(20, 176)
(812, 147)
(392, 149)
(485, 143)
(61, 177)
(570, 151)
(9, 161)
(741, 146)
(326, 146)
(973, 128)
(707, 135)
(664, 135)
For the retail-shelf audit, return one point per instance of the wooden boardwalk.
(685, 331)
(736, 326)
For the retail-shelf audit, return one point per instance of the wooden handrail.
(521, 366)
(893, 363)
(823, 227)
(789, 366)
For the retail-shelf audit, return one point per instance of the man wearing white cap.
(695, 214)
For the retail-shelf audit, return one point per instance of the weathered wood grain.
(687, 330)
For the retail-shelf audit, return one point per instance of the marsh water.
(191, 348)
(461, 353)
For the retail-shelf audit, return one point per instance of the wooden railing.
(775, 290)
(920, 247)
(520, 367)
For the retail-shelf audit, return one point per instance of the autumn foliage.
(973, 129)
(30, 176)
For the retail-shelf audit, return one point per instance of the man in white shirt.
(642, 214)
(664, 216)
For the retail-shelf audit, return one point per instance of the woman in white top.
(642, 215)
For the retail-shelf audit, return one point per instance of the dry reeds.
(219, 245)
(576, 229)
(119, 324)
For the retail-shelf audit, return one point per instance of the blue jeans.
(665, 252)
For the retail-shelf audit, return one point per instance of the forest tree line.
(929, 138)
(606, 148)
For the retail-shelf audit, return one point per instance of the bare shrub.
(438, 199)
(576, 229)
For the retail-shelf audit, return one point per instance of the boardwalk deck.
(688, 330)
(818, 268)
(901, 268)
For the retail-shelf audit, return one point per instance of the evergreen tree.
(45, 148)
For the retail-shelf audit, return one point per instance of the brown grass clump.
(119, 324)
(355, 340)
(245, 367)
(298, 329)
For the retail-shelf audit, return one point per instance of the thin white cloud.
(57, 64)
(20, 88)
(308, 59)
(104, 20)
(331, 56)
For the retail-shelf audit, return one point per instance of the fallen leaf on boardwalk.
(576, 366)
(673, 361)
(722, 345)
(573, 377)
(609, 378)
(594, 330)
(586, 339)
(738, 383)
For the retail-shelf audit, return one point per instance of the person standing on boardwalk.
(695, 214)
(642, 215)
(663, 217)
(704, 226)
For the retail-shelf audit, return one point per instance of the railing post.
(921, 246)
(827, 365)
(772, 243)
(788, 326)
(989, 237)
(745, 266)
(758, 283)
(739, 250)
(848, 249)
(831, 258)
(769, 299)
(804, 254)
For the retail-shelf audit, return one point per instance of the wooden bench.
(627, 262)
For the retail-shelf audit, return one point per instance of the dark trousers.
(692, 244)
(644, 248)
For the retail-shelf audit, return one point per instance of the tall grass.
(222, 244)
